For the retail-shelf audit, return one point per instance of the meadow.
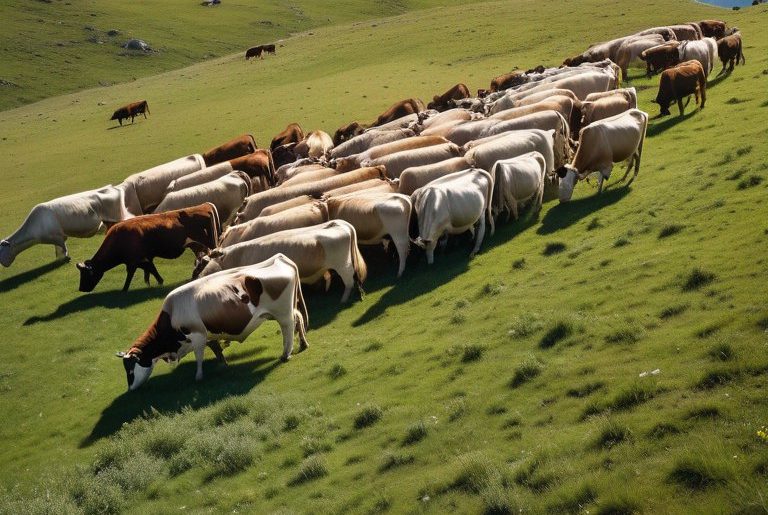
(609, 356)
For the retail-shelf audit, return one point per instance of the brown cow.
(661, 57)
(270, 49)
(256, 164)
(712, 28)
(507, 80)
(131, 111)
(256, 51)
(729, 50)
(398, 110)
(240, 146)
(347, 132)
(293, 133)
(444, 101)
(137, 241)
(283, 155)
(680, 82)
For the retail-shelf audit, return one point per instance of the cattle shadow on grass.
(112, 299)
(717, 80)
(11, 283)
(169, 394)
(658, 127)
(566, 214)
(119, 126)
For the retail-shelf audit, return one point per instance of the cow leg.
(402, 254)
(130, 270)
(429, 250)
(61, 251)
(150, 268)
(349, 283)
(631, 161)
(199, 355)
(479, 236)
(287, 330)
(215, 346)
(680, 105)
(301, 330)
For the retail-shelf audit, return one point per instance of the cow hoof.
(284, 359)
(304, 347)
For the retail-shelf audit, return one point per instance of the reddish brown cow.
(482, 93)
(443, 102)
(256, 51)
(131, 111)
(661, 57)
(398, 110)
(680, 82)
(729, 50)
(347, 132)
(712, 28)
(257, 164)
(507, 80)
(270, 49)
(283, 155)
(137, 241)
(240, 146)
(293, 133)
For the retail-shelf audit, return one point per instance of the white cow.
(315, 145)
(200, 177)
(517, 181)
(395, 163)
(145, 190)
(630, 50)
(551, 144)
(368, 139)
(226, 193)
(228, 305)
(703, 50)
(415, 177)
(453, 204)
(304, 215)
(79, 216)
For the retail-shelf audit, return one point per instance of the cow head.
(89, 276)
(137, 368)
(6, 253)
(568, 177)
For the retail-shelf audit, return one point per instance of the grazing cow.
(712, 28)
(345, 164)
(367, 140)
(604, 107)
(399, 110)
(305, 215)
(79, 216)
(660, 57)
(444, 129)
(311, 173)
(255, 51)
(704, 51)
(681, 82)
(382, 185)
(404, 122)
(196, 178)
(543, 120)
(415, 177)
(376, 216)
(258, 165)
(667, 33)
(226, 193)
(506, 81)
(315, 145)
(136, 242)
(603, 143)
(553, 145)
(462, 133)
(446, 117)
(395, 163)
(253, 205)
(581, 85)
(630, 50)
(229, 305)
(270, 49)
(237, 147)
(287, 172)
(145, 190)
(131, 111)
(729, 49)
(316, 250)
(562, 105)
(517, 181)
(292, 133)
(535, 96)
(630, 94)
(285, 205)
(445, 101)
(686, 32)
(598, 52)
(347, 132)
(453, 204)
(283, 155)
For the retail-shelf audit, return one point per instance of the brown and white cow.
(345, 164)
(305, 215)
(729, 50)
(681, 82)
(136, 242)
(315, 145)
(226, 193)
(131, 111)
(145, 190)
(240, 146)
(259, 167)
(292, 133)
(603, 143)
(453, 204)
(316, 250)
(229, 305)
(445, 101)
(517, 181)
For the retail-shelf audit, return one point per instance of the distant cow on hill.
(270, 49)
(131, 111)
(255, 51)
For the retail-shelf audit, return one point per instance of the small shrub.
(585, 390)
(511, 422)
(559, 331)
(314, 444)
(611, 435)
(291, 421)
(492, 289)
(457, 408)
(472, 352)
(621, 242)
(95, 496)
(663, 429)
(230, 410)
(235, 456)
(697, 279)
(697, 472)
(533, 475)
(624, 335)
(458, 318)
(750, 182)
(367, 416)
(591, 409)
(526, 371)
(311, 468)
(673, 311)
(518, 264)
(716, 377)
(373, 346)
(524, 326)
(553, 248)
(415, 433)
(743, 151)
(337, 371)
(393, 460)
(670, 230)
(633, 395)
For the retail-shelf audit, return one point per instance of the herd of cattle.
(263, 221)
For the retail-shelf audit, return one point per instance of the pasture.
(610, 356)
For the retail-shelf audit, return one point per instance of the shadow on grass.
(113, 299)
(717, 80)
(659, 127)
(119, 126)
(567, 214)
(14, 282)
(170, 393)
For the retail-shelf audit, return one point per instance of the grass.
(415, 433)
(368, 416)
(525, 372)
(559, 331)
(63, 392)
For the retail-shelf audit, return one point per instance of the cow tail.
(247, 180)
(358, 263)
(301, 306)
(215, 226)
(741, 54)
(272, 171)
(488, 201)
(146, 106)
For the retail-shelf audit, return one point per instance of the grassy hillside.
(523, 379)
(50, 47)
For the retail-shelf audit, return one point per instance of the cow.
(462, 133)
(256, 51)
(382, 185)
(712, 28)
(315, 145)
(367, 140)
(258, 165)
(543, 120)
(345, 164)
(598, 52)
(445, 101)
(404, 122)
(235, 148)
(285, 205)
(729, 50)
(145, 190)
(316, 250)
(399, 110)
(660, 57)
(131, 111)
(292, 133)
(347, 132)
(553, 145)
(269, 49)
(226, 193)
(444, 129)
(453, 204)
(446, 117)
(517, 181)
(283, 155)
(196, 178)
(581, 84)
(80, 215)
(287, 172)
(529, 97)
(686, 32)
(630, 50)
(603, 143)
(137, 241)
(604, 107)
(506, 81)
(312, 175)
(630, 94)
(415, 177)
(376, 216)
(305, 215)
(704, 51)
(228, 305)
(681, 82)
(395, 163)
(667, 33)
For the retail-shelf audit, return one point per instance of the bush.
(697, 279)
(670, 230)
(472, 352)
(367, 416)
(311, 468)
(393, 460)
(415, 433)
(526, 371)
(337, 371)
(524, 326)
(230, 410)
(554, 248)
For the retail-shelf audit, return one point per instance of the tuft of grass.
(611, 434)
(491, 289)
(525, 325)
(624, 335)
(291, 421)
(496, 409)
(496, 500)
(750, 182)
(709, 330)
(703, 412)
(311, 468)
(234, 456)
(698, 472)
(472, 352)
(594, 224)
(534, 475)
(337, 371)
(367, 416)
(585, 390)
(619, 506)
(716, 377)
(697, 279)
(743, 151)
(526, 371)
(631, 396)
(518, 264)
(230, 410)
(573, 499)
(554, 334)
(415, 433)
(458, 318)
(373, 347)
(393, 460)
(673, 311)
(457, 408)
(553, 248)
(511, 422)
(475, 472)
(663, 429)
(621, 242)
(670, 230)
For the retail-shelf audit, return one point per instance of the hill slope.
(520, 379)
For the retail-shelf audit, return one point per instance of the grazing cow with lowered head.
(131, 111)
(145, 190)
(517, 181)
(226, 193)
(315, 145)
(255, 51)
(367, 140)
(292, 133)
(136, 242)
(506, 81)
(415, 177)
(345, 164)
(729, 50)
(660, 57)
(347, 132)
(712, 28)
(445, 101)
(681, 82)
(603, 143)
(399, 110)
(630, 50)
(229, 305)
(240, 146)
(395, 163)
(305, 215)
(269, 49)
(453, 204)
(257, 164)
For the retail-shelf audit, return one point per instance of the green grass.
(247, 427)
